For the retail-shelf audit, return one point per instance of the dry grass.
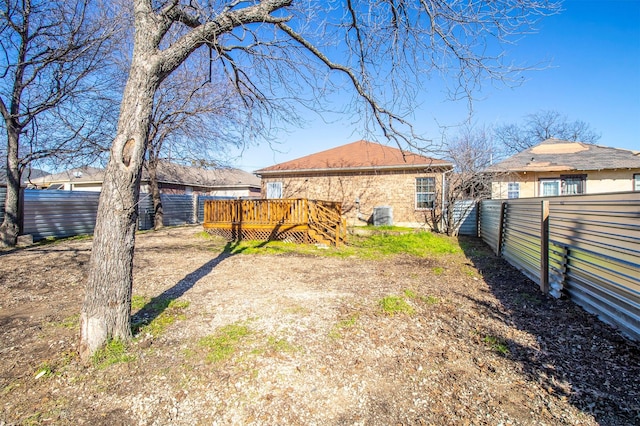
(302, 339)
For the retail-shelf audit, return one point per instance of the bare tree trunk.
(10, 225)
(107, 306)
(158, 218)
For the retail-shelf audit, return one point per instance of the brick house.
(364, 176)
(559, 167)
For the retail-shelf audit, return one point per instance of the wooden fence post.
(544, 247)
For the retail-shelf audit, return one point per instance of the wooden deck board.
(298, 220)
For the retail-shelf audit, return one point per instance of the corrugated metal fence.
(465, 215)
(59, 213)
(176, 210)
(592, 247)
(67, 213)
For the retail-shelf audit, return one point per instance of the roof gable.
(555, 155)
(356, 155)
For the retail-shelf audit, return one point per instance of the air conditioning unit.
(382, 215)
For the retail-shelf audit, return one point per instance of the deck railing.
(298, 220)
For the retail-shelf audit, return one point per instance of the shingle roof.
(28, 173)
(356, 156)
(555, 155)
(195, 176)
(167, 173)
(83, 174)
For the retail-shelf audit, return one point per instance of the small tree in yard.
(51, 99)
(276, 51)
(193, 119)
(471, 152)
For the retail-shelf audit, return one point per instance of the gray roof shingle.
(556, 155)
(167, 173)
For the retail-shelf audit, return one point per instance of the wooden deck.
(297, 220)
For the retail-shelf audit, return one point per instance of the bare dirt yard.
(230, 338)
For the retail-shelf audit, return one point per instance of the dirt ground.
(303, 340)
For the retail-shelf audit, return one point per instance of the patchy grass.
(388, 228)
(157, 314)
(420, 244)
(44, 370)
(138, 302)
(392, 305)
(438, 270)
(282, 247)
(430, 300)
(222, 345)
(69, 322)
(281, 345)
(410, 294)
(114, 352)
(496, 344)
(345, 324)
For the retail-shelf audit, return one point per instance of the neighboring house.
(362, 176)
(558, 167)
(172, 179)
(28, 174)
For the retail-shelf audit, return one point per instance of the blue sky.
(593, 53)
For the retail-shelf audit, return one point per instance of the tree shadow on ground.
(576, 356)
(157, 305)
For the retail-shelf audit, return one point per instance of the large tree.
(51, 65)
(540, 126)
(278, 50)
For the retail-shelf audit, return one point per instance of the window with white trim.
(425, 192)
(564, 185)
(636, 182)
(513, 190)
(274, 190)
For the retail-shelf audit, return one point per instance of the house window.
(572, 184)
(513, 190)
(425, 192)
(565, 185)
(636, 182)
(274, 190)
(549, 187)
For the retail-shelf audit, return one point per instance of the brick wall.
(396, 189)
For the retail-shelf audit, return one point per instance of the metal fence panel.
(521, 236)
(59, 213)
(490, 223)
(145, 211)
(597, 237)
(594, 250)
(177, 209)
(465, 213)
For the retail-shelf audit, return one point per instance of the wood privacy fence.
(586, 247)
(297, 220)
